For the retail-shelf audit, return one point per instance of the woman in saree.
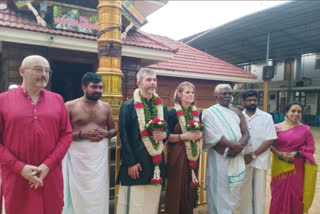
(181, 192)
(293, 165)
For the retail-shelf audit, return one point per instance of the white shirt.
(261, 128)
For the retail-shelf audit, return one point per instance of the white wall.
(279, 71)
(307, 68)
(308, 65)
(312, 99)
(256, 69)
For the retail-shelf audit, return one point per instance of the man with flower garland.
(142, 125)
(225, 136)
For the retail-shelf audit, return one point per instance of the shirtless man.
(86, 163)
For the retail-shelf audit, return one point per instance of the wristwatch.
(253, 156)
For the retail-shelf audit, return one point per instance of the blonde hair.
(180, 89)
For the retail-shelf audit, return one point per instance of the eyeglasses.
(251, 100)
(40, 70)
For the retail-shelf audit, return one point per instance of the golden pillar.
(109, 45)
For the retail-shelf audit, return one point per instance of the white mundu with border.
(224, 174)
(86, 178)
(139, 199)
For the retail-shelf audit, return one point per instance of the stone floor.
(315, 205)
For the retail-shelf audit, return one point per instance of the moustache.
(151, 89)
(251, 107)
(94, 96)
(42, 78)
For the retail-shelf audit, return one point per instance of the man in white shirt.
(257, 155)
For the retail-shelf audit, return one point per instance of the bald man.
(35, 134)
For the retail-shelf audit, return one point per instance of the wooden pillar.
(109, 44)
(266, 81)
(265, 95)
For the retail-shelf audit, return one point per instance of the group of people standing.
(54, 156)
(238, 145)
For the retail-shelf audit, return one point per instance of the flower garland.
(153, 147)
(192, 147)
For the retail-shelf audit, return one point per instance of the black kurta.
(180, 195)
(133, 150)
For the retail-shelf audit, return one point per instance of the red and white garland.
(154, 152)
(192, 159)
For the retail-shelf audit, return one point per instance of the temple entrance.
(66, 78)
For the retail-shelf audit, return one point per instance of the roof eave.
(71, 43)
(192, 75)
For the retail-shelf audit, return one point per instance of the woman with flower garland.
(183, 151)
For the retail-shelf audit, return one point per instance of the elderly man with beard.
(257, 155)
(225, 136)
(85, 166)
(35, 134)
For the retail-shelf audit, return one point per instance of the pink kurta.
(32, 134)
(287, 190)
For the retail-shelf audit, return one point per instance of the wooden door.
(289, 69)
(282, 101)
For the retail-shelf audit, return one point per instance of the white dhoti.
(253, 190)
(139, 199)
(224, 175)
(219, 197)
(86, 179)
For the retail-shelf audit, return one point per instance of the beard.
(42, 82)
(94, 96)
(151, 91)
(252, 107)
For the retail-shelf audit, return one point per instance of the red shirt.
(33, 134)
